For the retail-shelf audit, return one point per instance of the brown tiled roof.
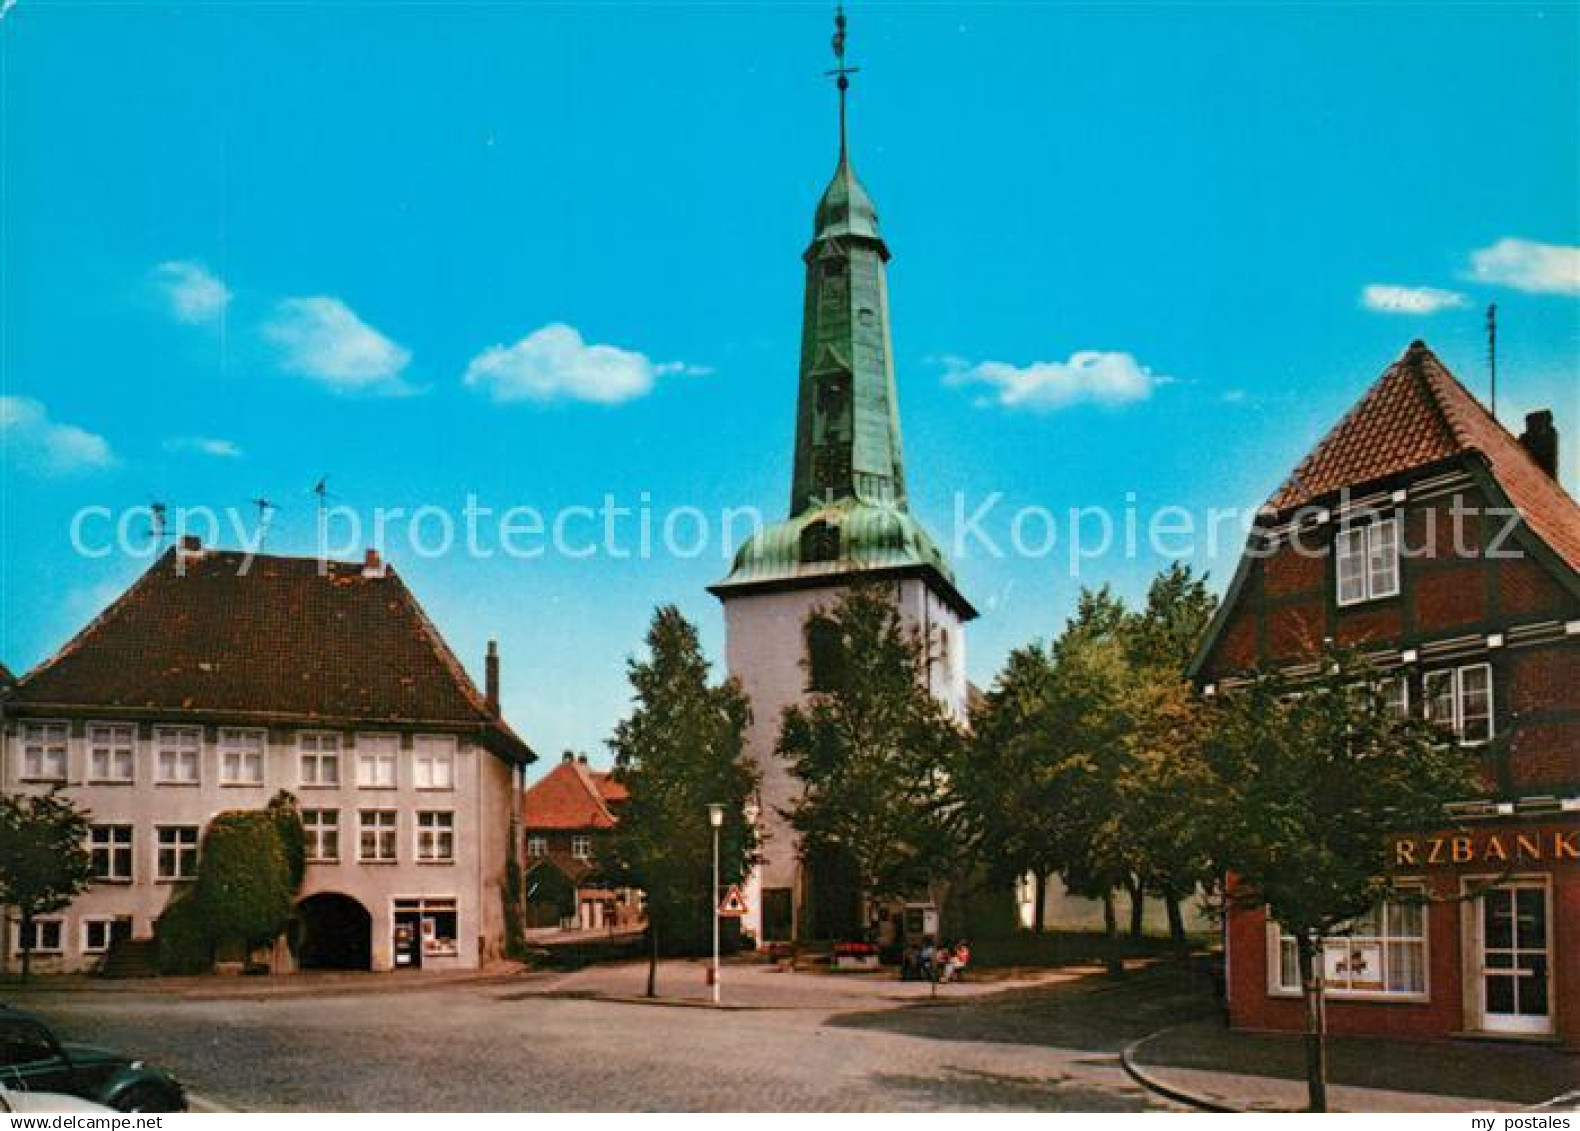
(567, 797)
(273, 639)
(1416, 414)
(612, 791)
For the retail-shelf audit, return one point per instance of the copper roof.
(214, 633)
(1416, 414)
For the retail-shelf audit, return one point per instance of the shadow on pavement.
(987, 1091)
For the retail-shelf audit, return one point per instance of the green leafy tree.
(244, 887)
(44, 863)
(286, 813)
(681, 750)
(1310, 780)
(873, 750)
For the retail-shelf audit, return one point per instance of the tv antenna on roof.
(266, 511)
(1492, 354)
(157, 528)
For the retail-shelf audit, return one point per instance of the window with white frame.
(241, 756)
(581, 847)
(377, 755)
(376, 836)
(177, 858)
(537, 845)
(178, 754)
(1394, 691)
(48, 937)
(1381, 954)
(110, 848)
(44, 747)
(436, 837)
(1460, 700)
(319, 754)
(322, 830)
(1366, 561)
(112, 752)
(97, 934)
(433, 762)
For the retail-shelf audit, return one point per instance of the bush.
(183, 938)
(244, 879)
(286, 814)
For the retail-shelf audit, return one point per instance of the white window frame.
(381, 751)
(1364, 542)
(581, 847)
(317, 830)
(433, 761)
(236, 742)
(1456, 682)
(161, 734)
(114, 741)
(1384, 942)
(84, 929)
(435, 836)
(184, 849)
(380, 828)
(44, 741)
(537, 845)
(318, 748)
(39, 923)
(118, 849)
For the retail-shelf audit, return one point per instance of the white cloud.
(1089, 377)
(204, 445)
(554, 363)
(47, 446)
(195, 294)
(1529, 266)
(322, 338)
(1393, 299)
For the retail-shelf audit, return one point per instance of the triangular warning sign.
(732, 904)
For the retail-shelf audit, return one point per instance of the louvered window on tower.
(825, 652)
(820, 543)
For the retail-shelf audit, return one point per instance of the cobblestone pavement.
(505, 1047)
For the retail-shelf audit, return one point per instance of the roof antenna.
(1492, 353)
(266, 511)
(157, 529)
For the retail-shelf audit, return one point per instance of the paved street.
(821, 1043)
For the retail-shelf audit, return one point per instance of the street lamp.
(716, 819)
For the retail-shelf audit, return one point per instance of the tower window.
(825, 653)
(820, 543)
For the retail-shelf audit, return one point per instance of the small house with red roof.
(1425, 534)
(221, 678)
(566, 818)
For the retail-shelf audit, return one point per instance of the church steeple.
(847, 418)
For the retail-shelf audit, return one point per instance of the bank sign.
(1498, 848)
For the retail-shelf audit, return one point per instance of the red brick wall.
(1450, 598)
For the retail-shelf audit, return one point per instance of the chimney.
(191, 544)
(372, 564)
(568, 757)
(581, 759)
(491, 676)
(1540, 438)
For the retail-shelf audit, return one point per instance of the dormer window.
(820, 543)
(1366, 562)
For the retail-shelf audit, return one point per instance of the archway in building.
(333, 932)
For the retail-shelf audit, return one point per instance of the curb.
(199, 1104)
(1127, 1060)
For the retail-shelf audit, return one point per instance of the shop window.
(436, 924)
(1381, 954)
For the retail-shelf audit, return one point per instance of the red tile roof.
(568, 797)
(275, 639)
(611, 791)
(1417, 413)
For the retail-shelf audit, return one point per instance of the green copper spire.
(848, 510)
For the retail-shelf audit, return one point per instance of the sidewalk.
(1366, 1074)
(215, 987)
(756, 985)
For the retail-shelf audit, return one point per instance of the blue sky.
(539, 254)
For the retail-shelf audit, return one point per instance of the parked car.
(39, 1103)
(33, 1061)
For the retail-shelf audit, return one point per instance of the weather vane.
(841, 72)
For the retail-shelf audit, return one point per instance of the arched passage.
(333, 932)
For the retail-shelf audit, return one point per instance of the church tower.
(849, 518)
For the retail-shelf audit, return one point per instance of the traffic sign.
(732, 905)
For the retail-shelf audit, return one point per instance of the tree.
(286, 813)
(873, 750)
(681, 750)
(1310, 780)
(43, 862)
(243, 885)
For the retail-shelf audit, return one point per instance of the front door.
(1515, 952)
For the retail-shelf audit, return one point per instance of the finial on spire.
(841, 71)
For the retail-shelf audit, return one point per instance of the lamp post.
(716, 819)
